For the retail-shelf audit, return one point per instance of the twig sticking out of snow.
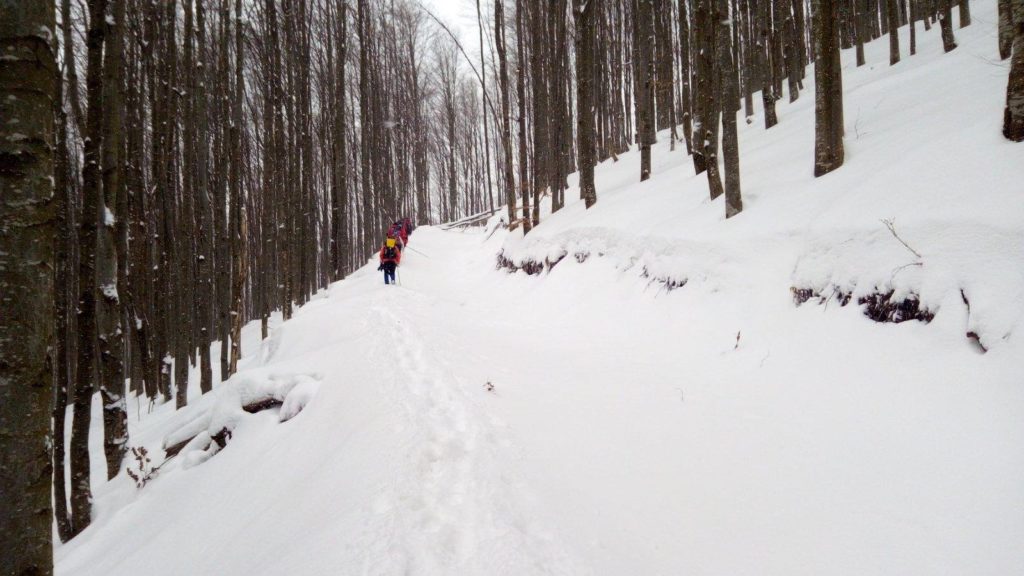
(891, 225)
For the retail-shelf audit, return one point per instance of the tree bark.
(1013, 117)
(1006, 30)
(585, 32)
(92, 214)
(705, 136)
(828, 97)
(730, 96)
(65, 212)
(238, 218)
(946, 25)
(643, 22)
(28, 76)
(524, 181)
(205, 257)
(506, 123)
(965, 13)
(110, 337)
(892, 14)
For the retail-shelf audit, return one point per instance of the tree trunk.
(1006, 30)
(238, 219)
(524, 182)
(730, 96)
(828, 97)
(205, 257)
(705, 136)
(542, 150)
(946, 24)
(28, 76)
(585, 33)
(768, 93)
(912, 18)
(506, 123)
(1013, 117)
(684, 72)
(65, 212)
(643, 22)
(110, 337)
(861, 28)
(965, 13)
(892, 14)
(483, 106)
(92, 214)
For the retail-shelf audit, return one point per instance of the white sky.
(460, 16)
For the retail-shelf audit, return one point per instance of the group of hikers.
(391, 252)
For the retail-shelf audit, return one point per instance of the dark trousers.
(389, 272)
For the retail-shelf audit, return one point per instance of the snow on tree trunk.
(92, 215)
(111, 335)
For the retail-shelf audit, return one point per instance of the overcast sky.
(460, 16)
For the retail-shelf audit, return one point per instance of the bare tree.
(585, 12)
(110, 336)
(730, 97)
(28, 76)
(828, 97)
(892, 15)
(643, 37)
(92, 215)
(946, 25)
(508, 169)
(1013, 117)
(1006, 30)
(705, 135)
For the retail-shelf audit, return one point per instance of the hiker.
(399, 231)
(407, 224)
(390, 257)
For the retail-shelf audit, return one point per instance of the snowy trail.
(450, 509)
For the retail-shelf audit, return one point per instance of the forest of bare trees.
(200, 164)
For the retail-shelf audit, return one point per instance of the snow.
(108, 217)
(109, 290)
(592, 420)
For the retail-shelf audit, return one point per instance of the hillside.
(654, 401)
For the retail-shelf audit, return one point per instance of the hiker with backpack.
(399, 230)
(390, 258)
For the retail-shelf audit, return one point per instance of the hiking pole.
(398, 272)
(416, 251)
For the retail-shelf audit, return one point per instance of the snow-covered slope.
(591, 420)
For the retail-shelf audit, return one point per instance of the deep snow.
(591, 421)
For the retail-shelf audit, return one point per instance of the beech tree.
(585, 32)
(828, 97)
(1013, 117)
(1006, 28)
(729, 98)
(28, 93)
